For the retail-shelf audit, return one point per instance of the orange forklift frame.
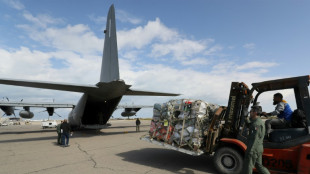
(289, 156)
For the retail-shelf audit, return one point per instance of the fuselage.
(96, 107)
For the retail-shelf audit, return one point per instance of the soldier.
(138, 125)
(59, 133)
(65, 131)
(255, 149)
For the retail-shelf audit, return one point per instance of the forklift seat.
(282, 135)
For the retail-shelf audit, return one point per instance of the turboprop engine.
(26, 114)
(128, 113)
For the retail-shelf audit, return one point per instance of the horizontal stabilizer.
(147, 93)
(50, 85)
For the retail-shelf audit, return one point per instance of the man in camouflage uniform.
(255, 149)
(59, 133)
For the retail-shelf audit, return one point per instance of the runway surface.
(28, 149)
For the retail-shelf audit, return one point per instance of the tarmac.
(27, 149)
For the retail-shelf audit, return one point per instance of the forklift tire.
(228, 161)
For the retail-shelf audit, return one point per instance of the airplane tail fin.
(109, 67)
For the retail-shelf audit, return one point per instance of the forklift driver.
(283, 112)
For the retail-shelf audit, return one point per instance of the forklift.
(286, 151)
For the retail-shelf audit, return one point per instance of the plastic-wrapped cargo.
(186, 119)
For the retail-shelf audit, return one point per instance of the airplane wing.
(148, 93)
(43, 105)
(50, 85)
(132, 106)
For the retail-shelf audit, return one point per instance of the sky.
(195, 48)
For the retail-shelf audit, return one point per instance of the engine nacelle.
(8, 110)
(26, 114)
(128, 114)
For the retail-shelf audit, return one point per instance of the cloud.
(41, 20)
(124, 16)
(181, 49)
(213, 50)
(144, 35)
(23, 62)
(209, 86)
(196, 61)
(249, 46)
(166, 43)
(14, 4)
(97, 19)
(252, 65)
(78, 38)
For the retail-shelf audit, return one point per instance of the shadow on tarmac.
(173, 161)
(90, 133)
(27, 132)
(111, 127)
(29, 139)
(77, 134)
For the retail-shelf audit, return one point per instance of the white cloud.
(252, 65)
(196, 61)
(41, 20)
(15, 4)
(181, 49)
(97, 19)
(166, 42)
(143, 35)
(23, 62)
(78, 38)
(210, 86)
(213, 50)
(249, 46)
(124, 16)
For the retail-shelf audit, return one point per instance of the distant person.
(283, 112)
(255, 139)
(59, 133)
(65, 131)
(138, 125)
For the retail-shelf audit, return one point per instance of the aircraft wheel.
(228, 160)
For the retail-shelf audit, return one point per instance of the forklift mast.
(238, 104)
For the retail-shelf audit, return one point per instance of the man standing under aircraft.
(65, 131)
(138, 125)
(59, 133)
(283, 111)
(255, 139)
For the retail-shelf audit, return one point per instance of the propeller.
(57, 114)
(53, 113)
(42, 111)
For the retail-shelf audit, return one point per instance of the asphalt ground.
(27, 149)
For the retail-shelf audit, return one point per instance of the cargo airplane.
(99, 101)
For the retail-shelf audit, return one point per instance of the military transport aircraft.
(99, 101)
